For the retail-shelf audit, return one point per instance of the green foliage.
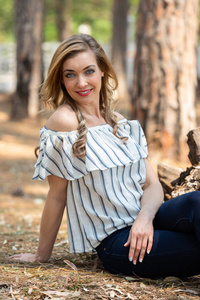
(101, 30)
(90, 10)
(7, 20)
(199, 24)
(95, 13)
(50, 32)
(134, 6)
(50, 29)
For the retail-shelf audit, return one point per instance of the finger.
(132, 248)
(150, 244)
(127, 242)
(137, 250)
(143, 249)
(14, 256)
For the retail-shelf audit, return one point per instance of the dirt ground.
(66, 276)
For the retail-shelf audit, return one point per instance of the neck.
(90, 111)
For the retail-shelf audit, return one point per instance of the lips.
(84, 93)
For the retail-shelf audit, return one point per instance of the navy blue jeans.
(176, 244)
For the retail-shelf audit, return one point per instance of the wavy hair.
(53, 92)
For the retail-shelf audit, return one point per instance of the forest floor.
(65, 276)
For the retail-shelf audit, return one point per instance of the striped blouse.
(105, 187)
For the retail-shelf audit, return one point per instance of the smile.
(84, 93)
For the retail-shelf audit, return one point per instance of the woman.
(96, 163)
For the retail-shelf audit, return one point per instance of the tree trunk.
(29, 21)
(119, 47)
(165, 72)
(63, 18)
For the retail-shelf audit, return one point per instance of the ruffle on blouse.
(103, 150)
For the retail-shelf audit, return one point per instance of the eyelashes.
(90, 71)
(69, 75)
(87, 72)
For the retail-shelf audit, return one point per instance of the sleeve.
(142, 139)
(56, 158)
(137, 133)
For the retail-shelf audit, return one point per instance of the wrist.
(41, 257)
(147, 214)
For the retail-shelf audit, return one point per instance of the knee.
(194, 198)
(195, 195)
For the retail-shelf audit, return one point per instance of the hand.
(140, 238)
(26, 257)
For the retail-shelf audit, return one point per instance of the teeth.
(83, 92)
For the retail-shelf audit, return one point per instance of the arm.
(50, 222)
(63, 119)
(140, 238)
(52, 216)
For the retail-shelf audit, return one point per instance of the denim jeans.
(176, 243)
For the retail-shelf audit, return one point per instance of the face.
(82, 78)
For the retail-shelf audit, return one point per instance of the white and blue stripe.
(105, 187)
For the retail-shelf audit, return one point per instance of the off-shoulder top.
(105, 187)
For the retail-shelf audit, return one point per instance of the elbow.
(155, 188)
(159, 191)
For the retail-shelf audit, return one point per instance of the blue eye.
(90, 71)
(69, 75)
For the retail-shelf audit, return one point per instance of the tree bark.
(29, 21)
(167, 174)
(63, 18)
(165, 73)
(119, 47)
(194, 146)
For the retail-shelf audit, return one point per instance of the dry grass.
(66, 276)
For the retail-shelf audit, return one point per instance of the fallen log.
(167, 174)
(177, 182)
(194, 146)
(188, 181)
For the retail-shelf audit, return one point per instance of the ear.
(102, 74)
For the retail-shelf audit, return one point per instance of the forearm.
(141, 234)
(151, 200)
(49, 226)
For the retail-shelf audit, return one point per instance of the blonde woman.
(96, 163)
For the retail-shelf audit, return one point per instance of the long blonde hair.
(54, 93)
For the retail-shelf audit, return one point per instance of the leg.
(173, 254)
(181, 214)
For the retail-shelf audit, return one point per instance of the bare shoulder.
(118, 116)
(63, 119)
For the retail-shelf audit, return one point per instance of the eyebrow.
(69, 70)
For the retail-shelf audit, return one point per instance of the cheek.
(97, 80)
(68, 85)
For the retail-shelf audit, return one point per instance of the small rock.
(18, 192)
(38, 201)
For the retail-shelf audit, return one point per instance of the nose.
(81, 81)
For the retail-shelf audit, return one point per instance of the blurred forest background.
(153, 45)
(154, 48)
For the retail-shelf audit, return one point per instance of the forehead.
(80, 60)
